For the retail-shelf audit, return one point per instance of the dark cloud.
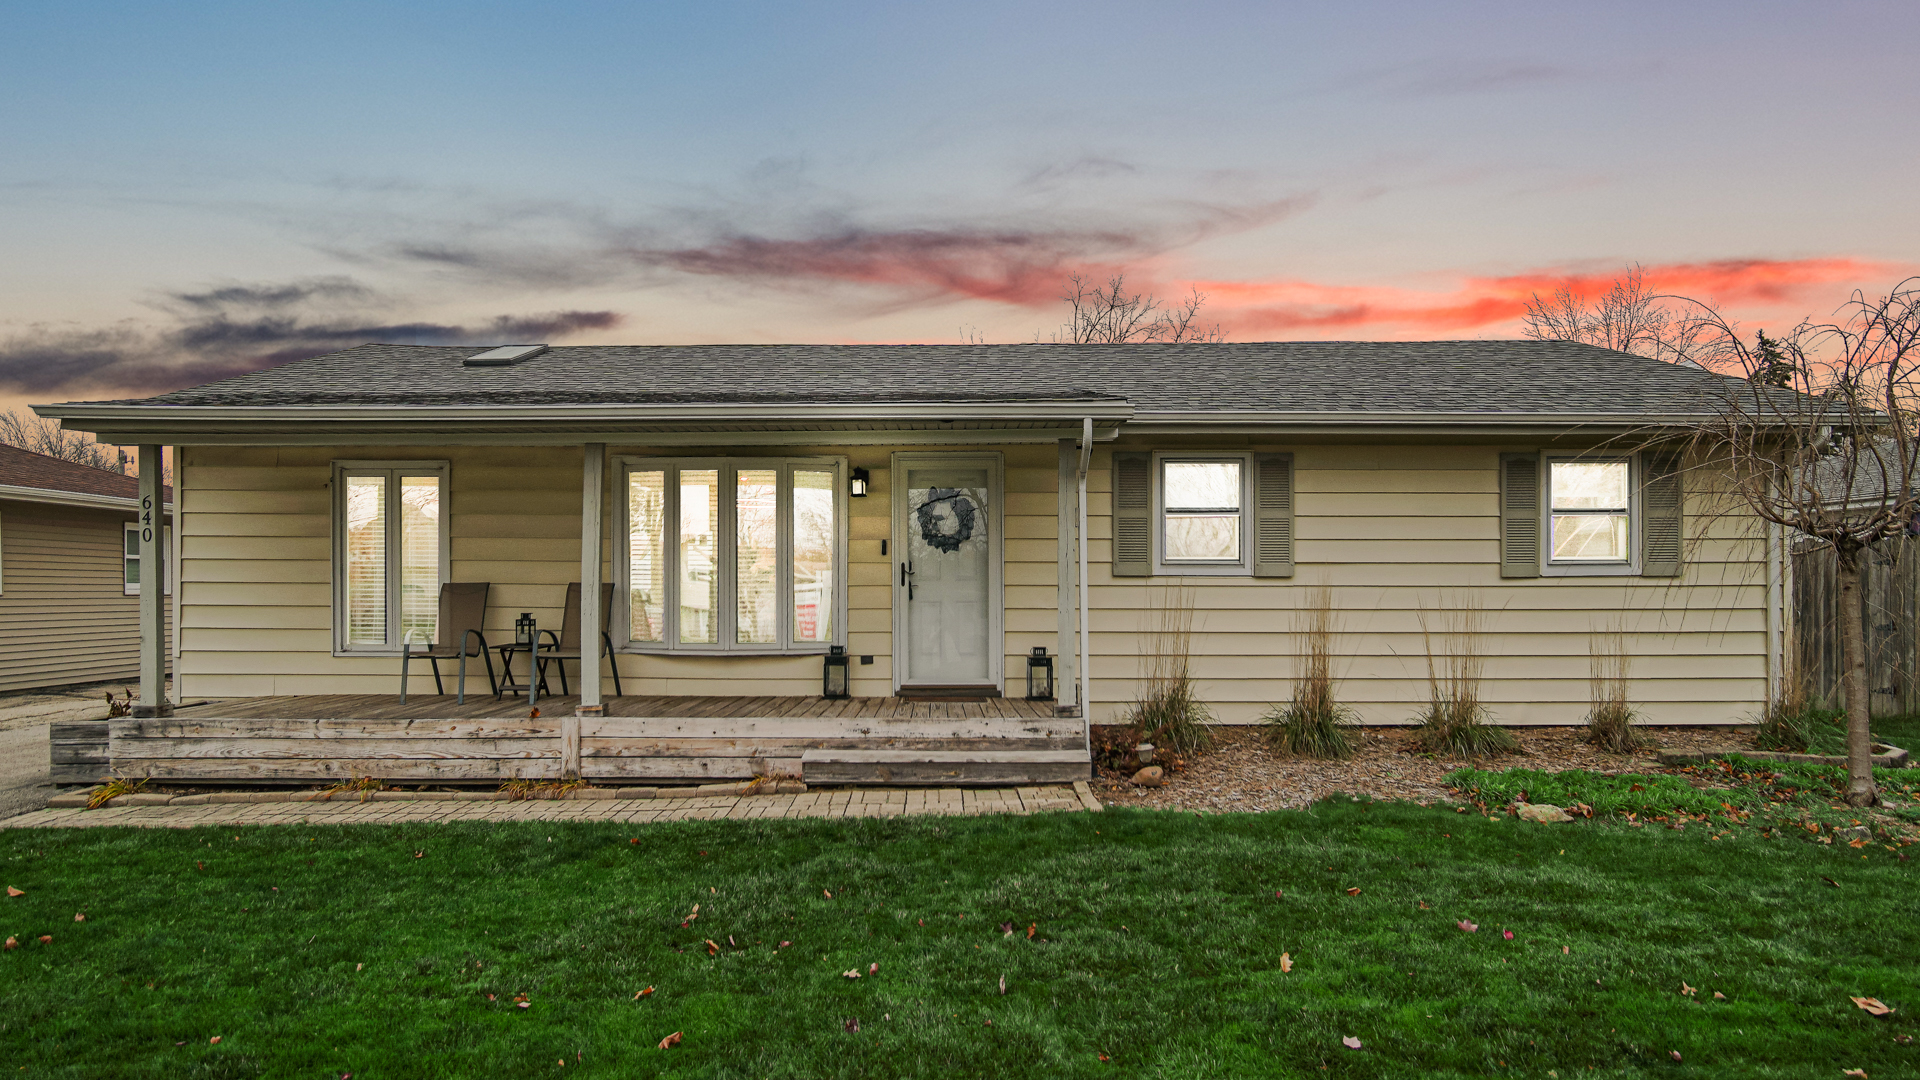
(235, 329)
(919, 263)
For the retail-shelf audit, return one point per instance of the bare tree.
(1112, 316)
(44, 436)
(1817, 433)
(1627, 317)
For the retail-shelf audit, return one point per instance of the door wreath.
(933, 522)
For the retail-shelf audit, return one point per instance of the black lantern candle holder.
(1039, 675)
(525, 629)
(857, 481)
(834, 675)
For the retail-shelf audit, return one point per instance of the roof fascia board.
(1103, 409)
(19, 493)
(340, 435)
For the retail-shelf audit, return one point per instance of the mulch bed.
(1242, 773)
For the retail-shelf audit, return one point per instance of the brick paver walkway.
(843, 803)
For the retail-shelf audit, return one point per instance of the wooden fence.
(1890, 584)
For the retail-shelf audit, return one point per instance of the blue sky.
(192, 190)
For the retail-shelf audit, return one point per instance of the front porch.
(870, 740)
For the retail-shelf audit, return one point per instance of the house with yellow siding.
(844, 563)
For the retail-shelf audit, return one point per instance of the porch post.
(593, 474)
(153, 592)
(1066, 680)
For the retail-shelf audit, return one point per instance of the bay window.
(390, 553)
(732, 555)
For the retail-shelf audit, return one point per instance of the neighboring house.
(70, 572)
(923, 507)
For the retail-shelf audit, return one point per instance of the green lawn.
(1158, 943)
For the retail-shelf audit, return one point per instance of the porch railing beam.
(1066, 682)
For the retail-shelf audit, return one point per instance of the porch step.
(944, 766)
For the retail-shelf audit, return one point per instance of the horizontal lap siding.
(257, 609)
(64, 613)
(1393, 529)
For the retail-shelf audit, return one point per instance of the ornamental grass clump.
(1313, 724)
(1169, 713)
(1454, 721)
(1610, 719)
(1791, 721)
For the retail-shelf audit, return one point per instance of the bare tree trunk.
(1853, 680)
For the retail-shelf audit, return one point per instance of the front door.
(946, 527)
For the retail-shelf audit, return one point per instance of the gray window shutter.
(1660, 530)
(1273, 515)
(1133, 515)
(1519, 515)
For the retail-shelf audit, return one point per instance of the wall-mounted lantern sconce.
(833, 676)
(1039, 675)
(857, 483)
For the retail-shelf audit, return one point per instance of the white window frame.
(725, 556)
(132, 588)
(336, 533)
(1162, 566)
(1549, 566)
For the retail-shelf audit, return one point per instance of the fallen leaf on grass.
(1508, 934)
(80, 916)
(47, 939)
(1829, 881)
(357, 967)
(1031, 929)
(784, 944)
(1861, 1073)
(417, 855)
(851, 1025)
(712, 949)
(199, 866)
(1276, 894)
(214, 1041)
(731, 944)
(1350, 1043)
(11, 891)
(643, 993)
(670, 1041)
(826, 893)
(1003, 986)
(1675, 1054)
(1286, 962)
(1566, 949)
(1423, 906)
(1873, 1006)
(873, 969)
(1355, 891)
(851, 973)
(1006, 929)
(1467, 926)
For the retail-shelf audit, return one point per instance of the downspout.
(1086, 681)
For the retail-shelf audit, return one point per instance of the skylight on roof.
(504, 355)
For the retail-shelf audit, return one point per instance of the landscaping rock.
(70, 800)
(1859, 832)
(1151, 776)
(1544, 813)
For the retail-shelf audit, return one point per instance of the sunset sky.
(191, 190)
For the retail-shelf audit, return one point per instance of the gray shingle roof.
(1440, 377)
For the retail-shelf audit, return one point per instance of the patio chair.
(463, 612)
(567, 644)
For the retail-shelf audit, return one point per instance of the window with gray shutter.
(1519, 515)
(1661, 526)
(1132, 515)
(1273, 515)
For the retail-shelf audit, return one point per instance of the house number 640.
(146, 519)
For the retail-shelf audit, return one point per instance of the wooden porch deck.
(434, 738)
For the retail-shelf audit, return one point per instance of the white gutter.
(72, 498)
(1086, 680)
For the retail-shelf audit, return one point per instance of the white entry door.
(946, 527)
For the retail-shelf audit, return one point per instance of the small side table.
(508, 684)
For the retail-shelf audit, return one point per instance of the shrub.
(1313, 723)
(1454, 721)
(1170, 713)
(1610, 718)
